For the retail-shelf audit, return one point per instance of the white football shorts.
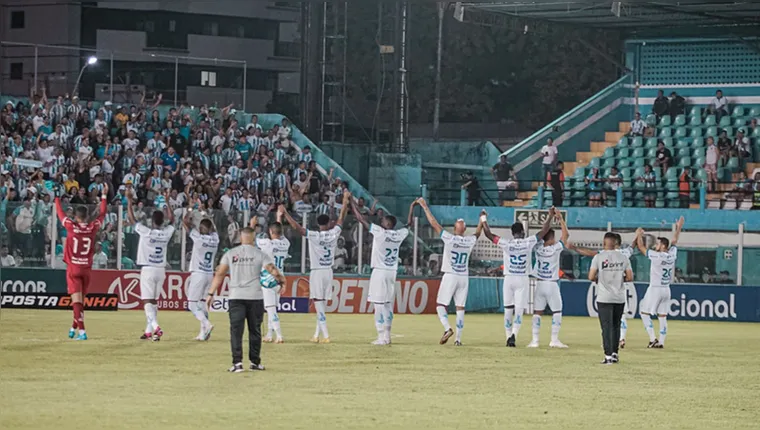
(198, 285)
(453, 286)
(382, 286)
(320, 284)
(516, 290)
(547, 293)
(151, 282)
(656, 301)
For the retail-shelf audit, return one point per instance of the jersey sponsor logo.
(611, 265)
(93, 302)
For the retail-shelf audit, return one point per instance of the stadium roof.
(640, 18)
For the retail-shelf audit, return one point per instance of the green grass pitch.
(708, 377)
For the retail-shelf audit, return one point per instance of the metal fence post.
(619, 197)
(183, 243)
(53, 238)
(303, 247)
(540, 195)
(414, 245)
(119, 235)
(462, 197)
(110, 84)
(361, 249)
(245, 85)
(36, 56)
(740, 256)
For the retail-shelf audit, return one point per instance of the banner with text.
(413, 296)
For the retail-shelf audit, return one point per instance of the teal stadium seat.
(733, 164)
(666, 132)
(680, 120)
(698, 142)
(698, 152)
(738, 111)
(651, 153)
(682, 143)
(609, 153)
(665, 121)
(609, 162)
(756, 133)
(580, 173)
(639, 162)
(684, 161)
(671, 174)
(729, 131)
(725, 121)
(623, 142)
(638, 153)
(681, 132)
(695, 121)
(651, 142)
(593, 163)
(623, 153)
(622, 163)
(695, 132)
(701, 174)
(651, 119)
(637, 142)
(740, 122)
(754, 111)
(710, 120)
(695, 111)
(682, 152)
(711, 131)
(668, 141)
(606, 172)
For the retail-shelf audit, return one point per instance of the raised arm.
(547, 223)
(563, 225)
(489, 235)
(58, 209)
(410, 219)
(168, 211)
(481, 221)
(679, 226)
(296, 226)
(640, 241)
(344, 209)
(359, 216)
(255, 221)
(429, 215)
(103, 204)
(581, 250)
(187, 219)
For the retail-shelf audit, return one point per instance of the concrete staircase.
(596, 149)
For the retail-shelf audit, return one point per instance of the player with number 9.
(77, 254)
(205, 244)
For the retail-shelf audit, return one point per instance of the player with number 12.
(77, 254)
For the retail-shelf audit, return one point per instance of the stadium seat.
(666, 132)
(609, 162)
(638, 153)
(733, 164)
(756, 133)
(701, 174)
(695, 121)
(680, 132)
(659, 203)
(695, 132)
(695, 111)
(665, 121)
(638, 172)
(651, 119)
(651, 153)
(710, 120)
(638, 141)
(639, 162)
(671, 174)
(754, 111)
(698, 142)
(580, 173)
(680, 120)
(626, 172)
(622, 142)
(729, 131)
(668, 141)
(725, 121)
(623, 153)
(606, 172)
(682, 143)
(711, 131)
(593, 163)
(682, 151)
(609, 153)
(738, 111)
(651, 142)
(684, 161)
(623, 163)
(698, 152)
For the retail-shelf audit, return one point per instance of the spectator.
(549, 153)
(677, 104)
(742, 189)
(614, 180)
(6, 260)
(556, 182)
(638, 126)
(752, 127)
(742, 146)
(718, 106)
(724, 147)
(473, 188)
(661, 106)
(99, 258)
(663, 157)
(711, 164)
(502, 172)
(685, 182)
(756, 193)
(649, 179)
(593, 185)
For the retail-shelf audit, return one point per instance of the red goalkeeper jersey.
(80, 237)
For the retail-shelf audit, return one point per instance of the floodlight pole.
(437, 106)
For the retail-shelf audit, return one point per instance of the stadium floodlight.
(90, 61)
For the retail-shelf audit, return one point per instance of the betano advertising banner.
(413, 296)
(688, 301)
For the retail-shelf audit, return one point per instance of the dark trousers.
(609, 319)
(241, 311)
(557, 197)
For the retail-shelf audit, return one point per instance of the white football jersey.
(151, 251)
(547, 261)
(456, 253)
(662, 266)
(275, 248)
(204, 251)
(517, 254)
(322, 247)
(627, 251)
(385, 246)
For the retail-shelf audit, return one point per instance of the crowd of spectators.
(200, 158)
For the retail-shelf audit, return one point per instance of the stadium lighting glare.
(92, 60)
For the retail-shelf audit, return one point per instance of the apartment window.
(208, 79)
(18, 19)
(150, 26)
(17, 71)
(211, 28)
(172, 26)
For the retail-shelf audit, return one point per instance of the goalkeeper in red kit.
(77, 254)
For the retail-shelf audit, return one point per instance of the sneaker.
(557, 344)
(72, 333)
(511, 342)
(146, 336)
(446, 335)
(533, 344)
(653, 344)
(207, 334)
(157, 334)
(379, 342)
(198, 338)
(279, 340)
(236, 368)
(315, 339)
(254, 367)
(659, 345)
(82, 336)
(267, 339)
(607, 360)
(615, 358)
(325, 340)
(622, 343)
(457, 343)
